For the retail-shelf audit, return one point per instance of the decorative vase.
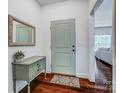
(17, 60)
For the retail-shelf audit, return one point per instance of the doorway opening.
(103, 45)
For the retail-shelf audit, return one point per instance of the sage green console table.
(28, 69)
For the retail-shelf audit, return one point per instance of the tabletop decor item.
(18, 56)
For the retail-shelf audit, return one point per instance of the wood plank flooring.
(104, 75)
(41, 85)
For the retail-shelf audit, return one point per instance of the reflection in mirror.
(20, 33)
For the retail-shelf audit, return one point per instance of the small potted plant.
(18, 56)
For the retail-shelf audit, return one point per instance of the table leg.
(14, 85)
(45, 73)
(29, 87)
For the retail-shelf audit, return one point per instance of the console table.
(28, 69)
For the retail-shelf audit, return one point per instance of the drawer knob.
(39, 66)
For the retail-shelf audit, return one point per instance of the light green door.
(63, 46)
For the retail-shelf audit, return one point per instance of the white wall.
(27, 11)
(103, 15)
(91, 24)
(77, 9)
(91, 49)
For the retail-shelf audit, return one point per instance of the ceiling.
(45, 2)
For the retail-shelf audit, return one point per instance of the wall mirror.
(20, 33)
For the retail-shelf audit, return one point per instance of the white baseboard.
(82, 75)
(91, 80)
(78, 75)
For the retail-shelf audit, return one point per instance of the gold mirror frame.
(11, 43)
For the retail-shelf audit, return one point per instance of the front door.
(63, 46)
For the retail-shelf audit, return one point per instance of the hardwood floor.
(41, 85)
(104, 75)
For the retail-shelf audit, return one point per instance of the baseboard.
(77, 75)
(82, 75)
(91, 81)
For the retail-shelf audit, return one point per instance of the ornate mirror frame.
(11, 42)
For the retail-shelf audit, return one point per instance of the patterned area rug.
(66, 80)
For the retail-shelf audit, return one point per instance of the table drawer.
(36, 68)
(40, 66)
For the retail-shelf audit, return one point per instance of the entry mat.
(66, 80)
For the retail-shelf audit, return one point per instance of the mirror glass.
(20, 33)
